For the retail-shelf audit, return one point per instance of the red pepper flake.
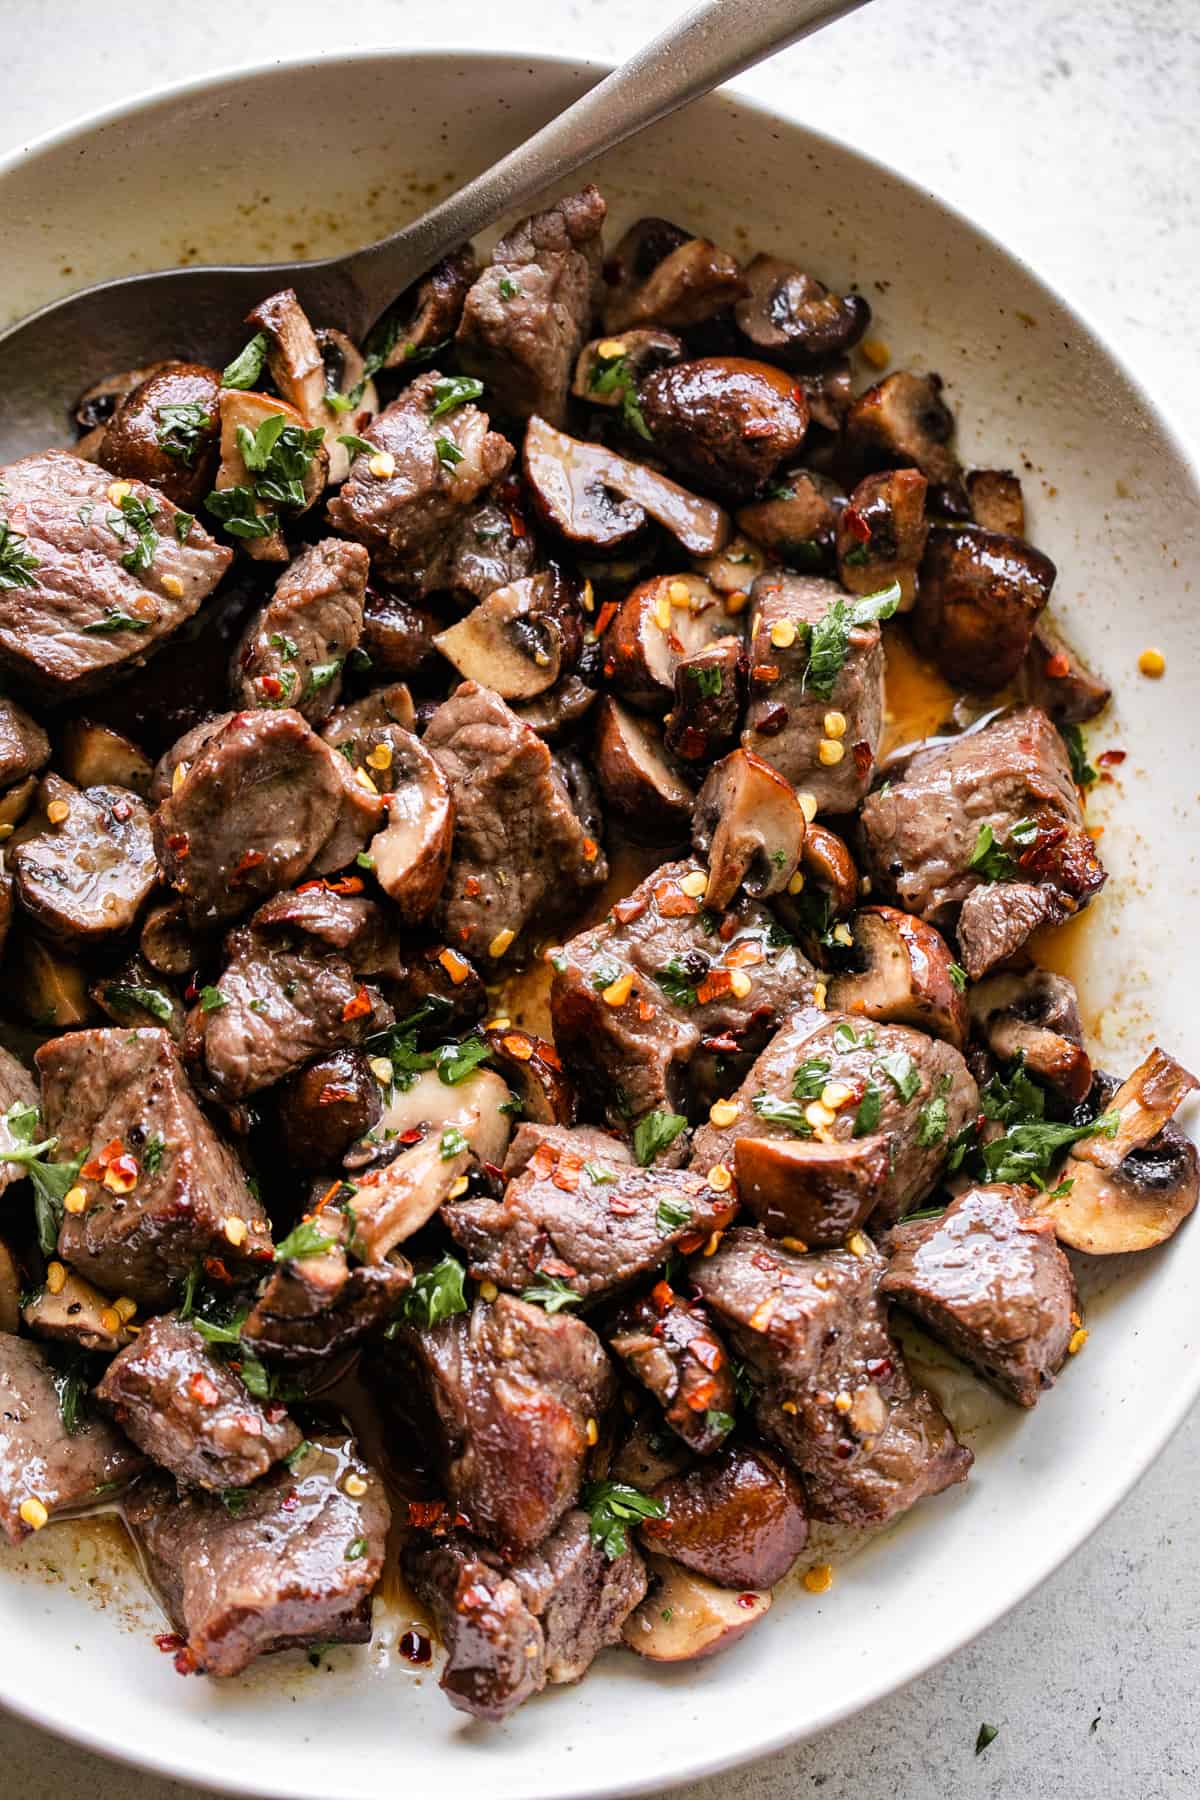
(271, 686)
(349, 884)
(169, 1642)
(292, 1502)
(692, 743)
(566, 1175)
(747, 1600)
(251, 1425)
(121, 1175)
(715, 983)
(744, 955)
(543, 1160)
(605, 617)
(708, 1353)
(333, 1091)
(553, 1265)
(702, 1396)
(591, 849)
(177, 844)
(764, 674)
(663, 1296)
(863, 759)
(858, 527)
(1056, 666)
(359, 1007)
(472, 886)
(202, 1389)
(185, 1662)
(275, 1411)
(771, 723)
(516, 523)
(645, 1011)
(216, 1270)
(474, 1598)
(880, 1367)
(413, 1135)
(333, 1189)
(676, 643)
(425, 1514)
(728, 927)
(1041, 1226)
(673, 903)
(1110, 759)
(724, 1044)
(250, 860)
(517, 1045)
(693, 1241)
(626, 911)
(621, 1209)
(415, 1647)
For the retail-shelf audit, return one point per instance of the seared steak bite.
(85, 876)
(737, 1518)
(45, 1467)
(519, 847)
(249, 816)
(527, 316)
(565, 1217)
(24, 746)
(163, 1192)
(644, 1003)
(421, 473)
(786, 721)
(991, 818)
(293, 652)
(294, 1562)
(312, 1306)
(673, 1349)
(988, 1278)
(190, 1412)
(598, 1147)
(512, 1389)
(106, 579)
(893, 1086)
(832, 1389)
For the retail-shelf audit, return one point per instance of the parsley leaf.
(452, 1143)
(152, 1155)
(452, 391)
(233, 507)
(846, 1038)
(1026, 1151)
(1082, 772)
(989, 859)
(610, 1506)
(551, 1293)
(435, 1294)
(357, 446)
(183, 525)
(903, 1074)
(655, 1132)
(247, 366)
(509, 289)
(307, 1239)
(782, 1112)
(126, 994)
(986, 1734)
(672, 1215)
(17, 561)
(52, 1181)
(810, 1078)
(675, 983)
(958, 975)
(870, 1110)
(448, 452)
(933, 1120)
(113, 621)
(212, 999)
(455, 1062)
(829, 638)
(719, 1421)
(180, 429)
(279, 455)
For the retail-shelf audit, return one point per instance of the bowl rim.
(1037, 1569)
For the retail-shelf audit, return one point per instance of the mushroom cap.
(636, 777)
(750, 826)
(659, 275)
(594, 497)
(725, 422)
(907, 978)
(814, 1192)
(533, 1070)
(1034, 1014)
(509, 642)
(412, 853)
(794, 318)
(659, 625)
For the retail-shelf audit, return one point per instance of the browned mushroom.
(249, 411)
(905, 974)
(996, 501)
(426, 315)
(685, 1617)
(509, 642)
(1133, 1190)
(1034, 1014)
(709, 685)
(165, 432)
(326, 1107)
(881, 534)
(293, 353)
(658, 275)
(167, 941)
(749, 826)
(357, 398)
(412, 853)
(593, 496)
(978, 603)
(134, 994)
(395, 1199)
(383, 706)
(1055, 677)
(397, 635)
(733, 571)
(903, 422)
(72, 1311)
(814, 1193)
(438, 972)
(798, 515)
(610, 367)
(47, 988)
(828, 862)
(791, 318)
(829, 392)
(475, 1107)
(658, 626)
(15, 803)
(88, 864)
(10, 1291)
(636, 779)
(724, 422)
(553, 713)
(94, 755)
(533, 1070)
(97, 404)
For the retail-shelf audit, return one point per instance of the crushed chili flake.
(744, 955)
(692, 1241)
(471, 886)
(715, 983)
(413, 1135)
(271, 686)
(856, 525)
(626, 911)
(178, 844)
(185, 1662)
(708, 1354)
(202, 1389)
(645, 1011)
(663, 1295)
(1109, 759)
(591, 849)
(863, 758)
(621, 1209)
(1056, 666)
(566, 1175)
(543, 1160)
(169, 1642)
(425, 1514)
(516, 524)
(672, 902)
(724, 1044)
(250, 860)
(359, 1007)
(772, 723)
(121, 1175)
(553, 1265)
(327, 1196)
(764, 674)
(605, 617)
(518, 1045)
(216, 1270)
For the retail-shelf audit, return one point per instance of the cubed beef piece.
(356, 928)
(282, 1001)
(785, 720)
(127, 1089)
(108, 572)
(988, 1278)
(511, 1628)
(182, 753)
(17, 1088)
(294, 1562)
(737, 1518)
(491, 548)
(673, 1349)
(832, 1389)
(42, 1463)
(24, 746)
(1001, 799)
(409, 490)
(526, 318)
(85, 877)
(702, 986)
(293, 651)
(600, 1148)
(512, 1390)
(907, 1091)
(314, 1305)
(520, 850)
(563, 1216)
(251, 813)
(190, 1412)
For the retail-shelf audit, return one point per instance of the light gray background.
(1069, 129)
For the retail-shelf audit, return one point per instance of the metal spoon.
(49, 358)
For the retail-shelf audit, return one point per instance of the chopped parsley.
(958, 976)
(846, 1038)
(598, 1173)
(180, 429)
(829, 638)
(551, 1293)
(212, 999)
(509, 289)
(870, 1110)
(613, 375)
(356, 1549)
(672, 1215)
(52, 1181)
(986, 1734)
(247, 366)
(357, 446)
(706, 679)
(1082, 772)
(610, 1506)
(233, 507)
(320, 676)
(234, 1500)
(279, 455)
(676, 983)
(903, 1074)
(453, 391)
(719, 1421)
(17, 561)
(152, 1155)
(448, 452)
(933, 1120)
(654, 1133)
(989, 859)
(782, 1112)
(1026, 1150)
(436, 1294)
(183, 525)
(73, 1378)
(113, 621)
(810, 1078)
(452, 1143)
(307, 1239)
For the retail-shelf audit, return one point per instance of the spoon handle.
(709, 45)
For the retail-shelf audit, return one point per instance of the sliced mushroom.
(47, 988)
(1034, 1014)
(383, 706)
(610, 367)
(94, 755)
(168, 942)
(996, 501)
(474, 1106)
(346, 376)
(637, 780)
(1055, 677)
(165, 432)
(299, 370)
(427, 314)
(135, 995)
(251, 411)
(593, 496)
(733, 571)
(74, 1312)
(797, 518)
(749, 826)
(905, 975)
(812, 1192)
(397, 636)
(658, 626)
(10, 1291)
(412, 853)
(830, 393)
(1131, 1191)
(881, 534)
(391, 1203)
(553, 713)
(903, 422)
(828, 862)
(327, 1107)
(792, 318)
(86, 871)
(709, 690)
(979, 600)
(509, 642)
(724, 422)
(533, 1070)
(685, 1617)
(15, 803)
(658, 275)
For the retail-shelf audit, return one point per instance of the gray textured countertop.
(1068, 131)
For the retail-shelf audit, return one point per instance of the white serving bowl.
(307, 159)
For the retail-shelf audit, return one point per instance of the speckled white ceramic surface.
(997, 119)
